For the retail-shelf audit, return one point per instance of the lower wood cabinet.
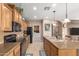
(69, 52)
(52, 50)
(47, 47)
(27, 41)
(10, 53)
(16, 51)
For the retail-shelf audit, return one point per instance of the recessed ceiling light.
(35, 17)
(34, 8)
(53, 5)
(46, 17)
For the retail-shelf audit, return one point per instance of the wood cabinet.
(69, 52)
(47, 47)
(10, 53)
(16, 51)
(12, 50)
(19, 17)
(9, 13)
(25, 24)
(20, 20)
(16, 15)
(27, 41)
(6, 18)
(52, 50)
(0, 16)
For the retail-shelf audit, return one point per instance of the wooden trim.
(7, 6)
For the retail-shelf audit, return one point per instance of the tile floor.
(34, 48)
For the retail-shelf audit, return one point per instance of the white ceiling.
(29, 13)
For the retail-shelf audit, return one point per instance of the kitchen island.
(55, 47)
(10, 49)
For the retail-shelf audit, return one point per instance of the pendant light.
(66, 19)
(54, 23)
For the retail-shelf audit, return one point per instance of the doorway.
(37, 30)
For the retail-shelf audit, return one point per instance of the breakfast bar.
(55, 47)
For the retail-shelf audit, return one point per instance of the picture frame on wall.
(47, 27)
(36, 29)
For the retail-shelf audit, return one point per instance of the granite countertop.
(5, 48)
(61, 44)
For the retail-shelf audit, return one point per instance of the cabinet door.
(47, 47)
(54, 50)
(17, 51)
(6, 18)
(9, 23)
(20, 20)
(16, 16)
(27, 41)
(10, 53)
(0, 16)
(22, 25)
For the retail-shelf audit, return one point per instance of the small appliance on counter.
(12, 39)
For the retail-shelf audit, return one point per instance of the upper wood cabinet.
(9, 13)
(20, 21)
(0, 16)
(19, 18)
(24, 25)
(6, 18)
(27, 22)
(16, 16)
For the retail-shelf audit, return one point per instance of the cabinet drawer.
(10, 53)
(68, 52)
(17, 51)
